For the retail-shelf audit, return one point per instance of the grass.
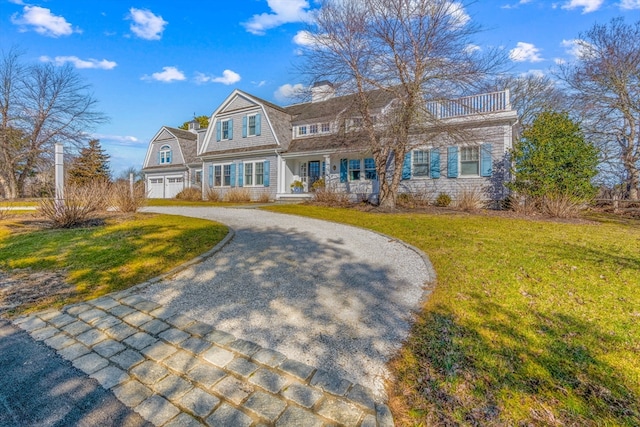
(106, 258)
(529, 323)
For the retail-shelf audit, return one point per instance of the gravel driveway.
(333, 296)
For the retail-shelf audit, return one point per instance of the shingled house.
(255, 144)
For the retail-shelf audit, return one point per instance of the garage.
(164, 187)
(173, 185)
(155, 189)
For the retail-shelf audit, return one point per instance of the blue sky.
(154, 63)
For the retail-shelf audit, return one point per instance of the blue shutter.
(244, 126)
(434, 163)
(266, 173)
(232, 172)
(258, 124)
(406, 166)
(211, 176)
(485, 160)
(230, 128)
(343, 170)
(218, 130)
(452, 162)
(240, 174)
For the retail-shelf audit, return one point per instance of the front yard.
(55, 267)
(530, 322)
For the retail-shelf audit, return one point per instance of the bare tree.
(605, 80)
(531, 94)
(414, 50)
(39, 106)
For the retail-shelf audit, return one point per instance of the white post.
(131, 184)
(59, 174)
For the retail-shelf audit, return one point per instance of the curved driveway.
(335, 297)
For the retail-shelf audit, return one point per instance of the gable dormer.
(243, 121)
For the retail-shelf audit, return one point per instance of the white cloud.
(576, 47)
(228, 78)
(559, 61)
(283, 12)
(459, 15)
(525, 52)
(168, 75)
(630, 4)
(260, 83)
(534, 72)
(118, 139)
(586, 5)
(43, 22)
(515, 5)
(286, 92)
(304, 38)
(145, 24)
(470, 48)
(80, 63)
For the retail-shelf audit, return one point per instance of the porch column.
(327, 167)
(282, 172)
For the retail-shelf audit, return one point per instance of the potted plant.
(297, 186)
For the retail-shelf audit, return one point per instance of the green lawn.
(102, 259)
(529, 323)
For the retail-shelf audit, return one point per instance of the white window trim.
(222, 165)
(254, 125)
(164, 150)
(428, 175)
(222, 122)
(479, 161)
(244, 173)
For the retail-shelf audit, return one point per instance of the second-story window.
(165, 155)
(313, 129)
(225, 129)
(325, 127)
(302, 130)
(251, 125)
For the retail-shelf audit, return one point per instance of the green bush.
(552, 158)
(443, 200)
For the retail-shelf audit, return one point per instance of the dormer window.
(165, 155)
(313, 129)
(325, 127)
(302, 130)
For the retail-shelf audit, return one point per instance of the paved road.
(332, 296)
(39, 388)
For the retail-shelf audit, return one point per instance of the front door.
(314, 172)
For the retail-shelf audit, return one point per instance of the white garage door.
(173, 185)
(156, 188)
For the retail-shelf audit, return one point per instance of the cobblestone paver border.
(174, 370)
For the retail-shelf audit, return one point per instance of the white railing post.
(59, 174)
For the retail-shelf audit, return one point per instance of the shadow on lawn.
(467, 374)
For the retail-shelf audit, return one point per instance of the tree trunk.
(633, 183)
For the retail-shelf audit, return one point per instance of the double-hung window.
(354, 169)
(253, 174)
(302, 130)
(469, 161)
(226, 175)
(313, 129)
(420, 166)
(370, 169)
(217, 176)
(225, 124)
(325, 127)
(251, 125)
(165, 155)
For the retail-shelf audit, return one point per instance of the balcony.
(485, 103)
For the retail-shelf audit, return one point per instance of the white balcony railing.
(471, 105)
